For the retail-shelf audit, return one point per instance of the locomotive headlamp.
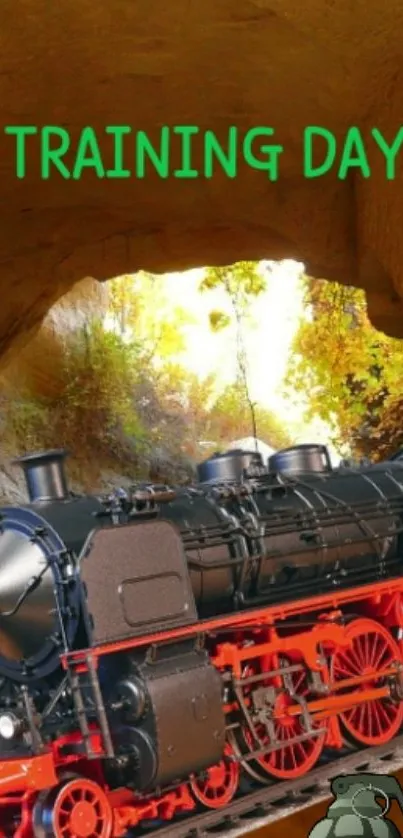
(9, 726)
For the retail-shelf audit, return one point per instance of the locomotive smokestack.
(45, 475)
(301, 459)
(230, 466)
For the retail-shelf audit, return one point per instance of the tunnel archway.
(210, 65)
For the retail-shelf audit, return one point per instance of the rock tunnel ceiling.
(213, 65)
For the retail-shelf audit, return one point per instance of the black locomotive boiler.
(256, 534)
(159, 638)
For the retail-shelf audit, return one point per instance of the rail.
(259, 809)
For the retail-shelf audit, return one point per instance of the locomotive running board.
(259, 809)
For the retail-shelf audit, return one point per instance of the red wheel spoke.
(383, 659)
(356, 656)
(293, 757)
(298, 682)
(344, 670)
(350, 665)
(377, 717)
(375, 651)
(365, 649)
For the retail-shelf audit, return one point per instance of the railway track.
(256, 809)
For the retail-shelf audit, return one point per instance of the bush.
(75, 392)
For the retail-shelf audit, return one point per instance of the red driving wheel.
(371, 650)
(77, 808)
(219, 785)
(296, 753)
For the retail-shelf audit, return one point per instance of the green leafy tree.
(174, 405)
(229, 418)
(143, 313)
(75, 392)
(350, 372)
(241, 283)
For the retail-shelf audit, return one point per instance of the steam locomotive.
(160, 644)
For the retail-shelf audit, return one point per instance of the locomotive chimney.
(45, 475)
(301, 459)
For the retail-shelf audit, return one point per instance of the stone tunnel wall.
(212, 65)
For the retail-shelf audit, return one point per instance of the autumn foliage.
(350, 372)
(115, 394)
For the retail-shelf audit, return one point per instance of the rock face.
(210, 64)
